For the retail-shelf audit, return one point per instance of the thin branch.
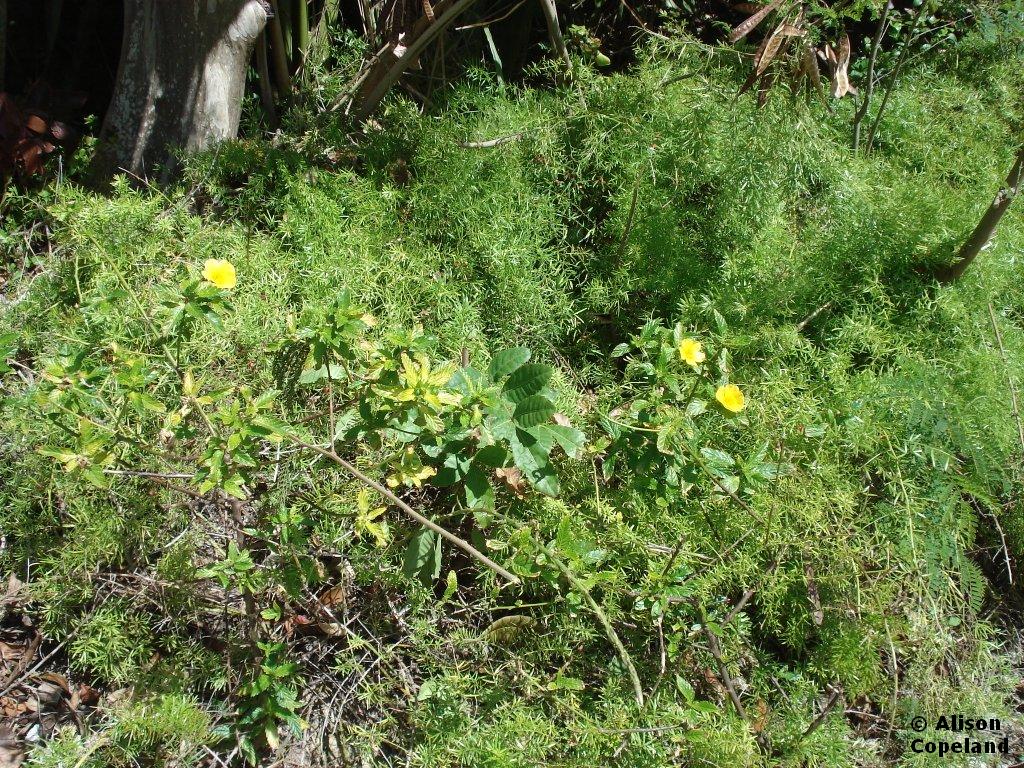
(812, 317)
(896, 71)
(603, 618)
(716, 652)
(555, 32)
(1009, 377)
(836, 693)
(876, 45)
(491, 142)
(465, 546)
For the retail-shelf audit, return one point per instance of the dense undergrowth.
(850, 529)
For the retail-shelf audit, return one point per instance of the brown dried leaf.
(512, 478)
(811, 65)
(759, 716)
(769, 50)
(746, 26)
(333, 596)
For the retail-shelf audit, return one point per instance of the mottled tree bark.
(180, 82)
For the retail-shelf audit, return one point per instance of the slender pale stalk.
(869, 86)
(894, 76)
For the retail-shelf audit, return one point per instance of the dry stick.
(488, 22)
(423, 35)
(869, 88)
(740, 604)
(716, 651)
(465, 546)
(812, 317)
(1020, 427)
(895, 73)
(25, 675)
(836, 692)
(490, 142)
(1009, 376)
(601, 617)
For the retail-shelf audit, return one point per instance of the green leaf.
(455, 463)
(530, 454)
(563, 683)
(506, 361)
(479, 493)
(527, 381)
(571, 440)
(716, 459)
(422, 558)
(533, 411)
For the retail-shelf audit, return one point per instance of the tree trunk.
(180, 82)
(987, 226)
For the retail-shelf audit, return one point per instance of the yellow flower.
(691, 352)
(220, 272)
(730, 397)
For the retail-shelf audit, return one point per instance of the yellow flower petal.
(691, 352)
(221, 273)
(730, 397)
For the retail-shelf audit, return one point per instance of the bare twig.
(896, 72)
(740, 605)
(812, 317)
(603, 618)
(465, 546)
(716, 652)
(555, 32)
(491, 142)
(835, 693)
(869, 88)
(1009, 377)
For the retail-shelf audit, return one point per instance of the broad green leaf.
(422, 558)
(527, 381)
(455, 463)
(571, 440)
(563, 683)
(530, 454)
(493, 456)
(717, 459)
(533, 410)
(479, 493)
(506, 361)
(466, 381)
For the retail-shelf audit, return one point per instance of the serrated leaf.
(422, 559)
(533, 411)
(527, 381)
(571, 440)
(717, 459)
(508, 360)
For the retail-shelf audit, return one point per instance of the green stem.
(609, 630)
